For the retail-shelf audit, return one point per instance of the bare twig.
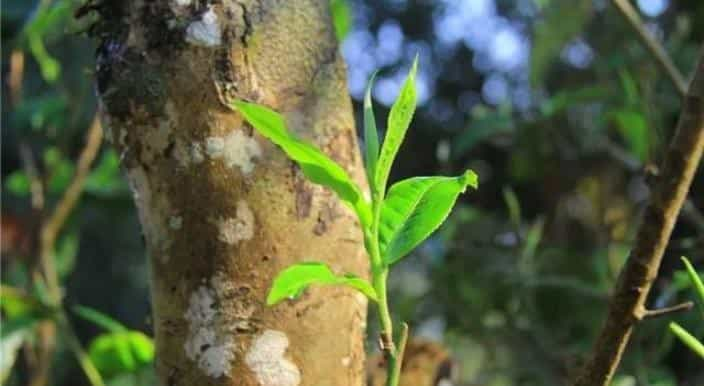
(52, 226)
(15, 76)
(36, 187)
(655, 48)
(649, 314)
(636, 278)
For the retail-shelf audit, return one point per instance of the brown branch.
(649, 314)
(52, 226)
(656, 49)
(670, 191)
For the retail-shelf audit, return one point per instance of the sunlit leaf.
(399, 118)
(414, 209)
(316, 165)
(292, 281)
(121, 352)
(688, 339)
(371, 136)
(341, 18)
(17, 303)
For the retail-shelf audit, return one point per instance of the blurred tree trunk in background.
(222, 209)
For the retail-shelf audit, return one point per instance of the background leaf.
(316, 165)
(121, 352)
(98, 318)
(292, 281)
(562, 22)
(688, 339)
(415, 208)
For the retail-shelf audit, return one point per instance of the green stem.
(380, 273)
(83, 359)
(397, 362)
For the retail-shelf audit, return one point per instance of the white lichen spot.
(266, 360)
(236, 150)
(206, 31)
(346, 361)
(197, 153)
(183, 3)
(233, 230)
(211, 349)
(214, 146)
(175, 222)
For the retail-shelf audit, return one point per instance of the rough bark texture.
(670, 191)
(222, 209)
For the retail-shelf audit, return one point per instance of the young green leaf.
(121, 352)
(415, 208)
(317, 166)
(694, 277)
(371, 137)
(399, 118)
(688, 339)
(292, 281)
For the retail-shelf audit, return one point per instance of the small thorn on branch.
(686, 306)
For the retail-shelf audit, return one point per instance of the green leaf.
(105, 180)
(18, 183)
(399, 118)
(98, 318)
(371, 136)
(66, 252)
(317, 166)
(60, 170)
(694, 277)
(292, 281)
(415, 208)
(341, 18)
(634, 129)
(688, 339)
(16, 303)
(121, 352)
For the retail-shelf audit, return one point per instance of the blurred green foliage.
(516, 283)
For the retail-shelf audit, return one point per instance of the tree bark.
(222, 209)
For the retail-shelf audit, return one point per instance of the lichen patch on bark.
(235, 149)
(233, 230)
(210, 342)
(267, 361)
(205, 32)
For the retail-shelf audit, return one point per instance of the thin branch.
(52, 227)
(36, 187)
(649, 314)
(656, 49)
(641, 268)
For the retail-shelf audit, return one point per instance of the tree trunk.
(222, 209)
